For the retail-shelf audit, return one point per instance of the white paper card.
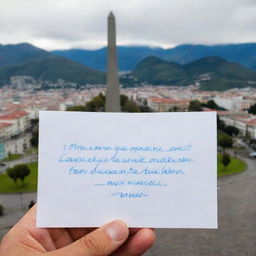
(149, 170)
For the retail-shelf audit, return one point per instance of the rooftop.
(14, 115)
(3, 125)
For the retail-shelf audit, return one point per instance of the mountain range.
(130, 56)
(217, 67)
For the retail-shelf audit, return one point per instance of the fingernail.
(117, 230)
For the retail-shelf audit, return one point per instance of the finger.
(103, 241)
(138, 244)
(60, 237)
(77, 233)
(133, 230)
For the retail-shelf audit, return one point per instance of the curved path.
(236, 235)
(24, 160)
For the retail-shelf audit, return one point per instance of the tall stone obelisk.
(113, 89)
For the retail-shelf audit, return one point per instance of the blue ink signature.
(129, 195)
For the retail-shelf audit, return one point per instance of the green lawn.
(7, 185)
(235, 166)
(31, 150)
(12, 157)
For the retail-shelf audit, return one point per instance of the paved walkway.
(236, 235)
(15, 206)
(24, 160)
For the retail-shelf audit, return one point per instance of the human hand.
(113, 238)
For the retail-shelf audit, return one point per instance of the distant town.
(24, 97)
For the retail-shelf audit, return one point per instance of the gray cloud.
(55, 24)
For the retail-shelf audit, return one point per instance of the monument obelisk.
(113, 89)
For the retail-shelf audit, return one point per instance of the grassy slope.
(236, 165)
(8, 186)
(12, 157)
(53, 68)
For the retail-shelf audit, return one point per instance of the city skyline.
(64, 25)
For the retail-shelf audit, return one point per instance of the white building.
(234, 104)
(245, 123)
(7, 130)
(251, 128)
(164, 104)
(19, 120)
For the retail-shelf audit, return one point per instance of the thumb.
(103, 241)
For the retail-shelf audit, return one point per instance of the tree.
(20, 171)
(34, 128)
(130, 107)
(173, 109)
(225, 141)
(97, 104)
(220, 124)
(123, 99)
(34, 138)
(34, 122)
(145, 109)
(231, 130)
(1, 210)
(195, 105)
(211, 104)
(252, 109)
(12, 174)
(253, 143)
(80, 108)
(225, 159)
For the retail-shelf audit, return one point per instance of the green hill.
(220, 74)
(53, 68)
(28, 60)
(16, 54)
(220, 68)
(158, 71)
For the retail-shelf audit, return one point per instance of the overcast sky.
(65, 24)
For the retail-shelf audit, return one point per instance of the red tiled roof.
(2, 125)
(167, 100)
(14, 115)
(251, 122)
(241, 117)
(209, 110)
(162, 100)
(223, 112)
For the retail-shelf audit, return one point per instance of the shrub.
(1, 210)
(225, 159)
(19, 171)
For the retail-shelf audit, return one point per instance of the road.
(23, 160)
(236, 235)
(15, 206)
